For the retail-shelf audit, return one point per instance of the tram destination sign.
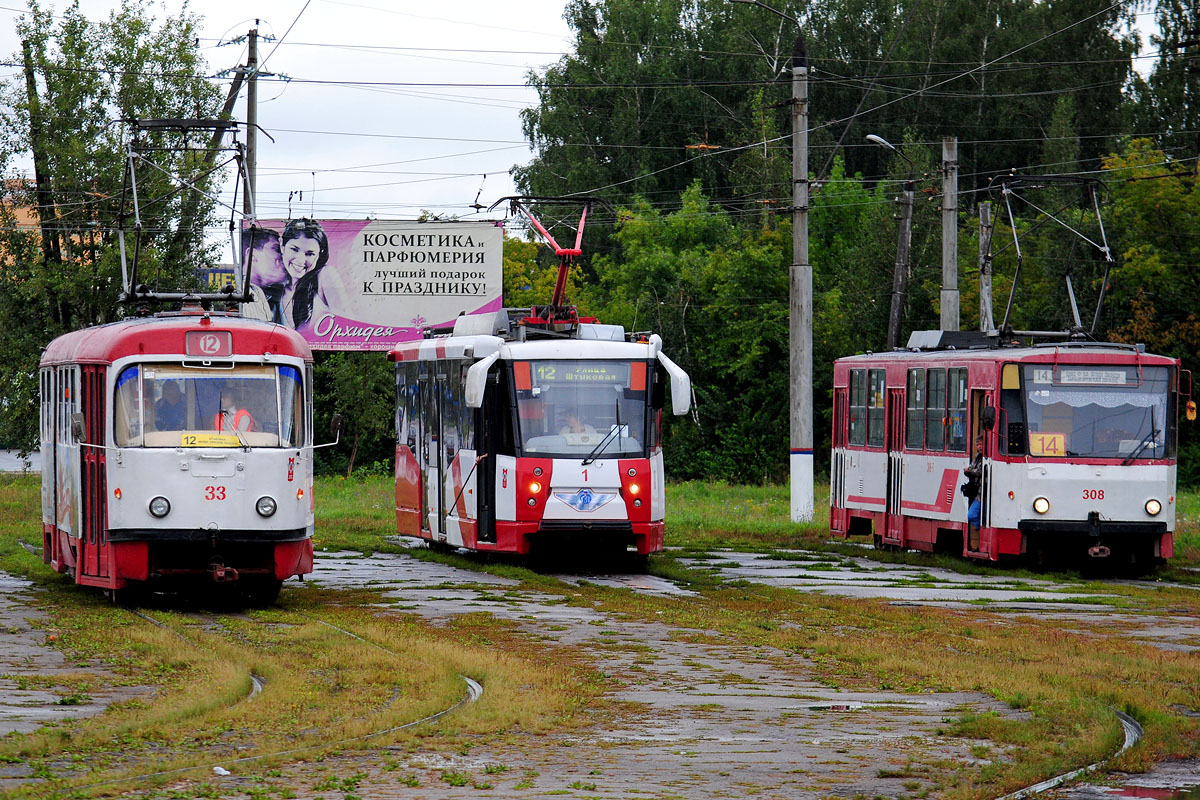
(369, 284)
(1066, 376)
(581, 372)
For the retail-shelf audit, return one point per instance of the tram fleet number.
(214, 492)
(1093, 494)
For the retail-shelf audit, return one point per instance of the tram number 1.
(1093, 494)
(214, 492)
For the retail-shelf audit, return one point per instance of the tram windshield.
(1098, 410)
(170, 405)
(576, 408)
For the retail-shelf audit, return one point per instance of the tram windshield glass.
(570, 408)
(1098, 410)
(170, 405)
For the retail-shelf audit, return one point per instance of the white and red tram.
(1079, 448)
(177, 449)
(509, 434)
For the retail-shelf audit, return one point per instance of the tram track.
(221, 625)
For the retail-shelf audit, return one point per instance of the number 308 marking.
(214, 492)
(1093, 494)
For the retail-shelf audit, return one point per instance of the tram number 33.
(214, 492)
(1093, 494)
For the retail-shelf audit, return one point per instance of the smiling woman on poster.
(305, 253)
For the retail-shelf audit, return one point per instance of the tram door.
(979, 401)
(895, 464)
(93, 492)
(432, 382)
(837, 467)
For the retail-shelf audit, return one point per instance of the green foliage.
(360, 387)
(65, 273)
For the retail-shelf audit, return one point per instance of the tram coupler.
(1099, 551)
(222, 574)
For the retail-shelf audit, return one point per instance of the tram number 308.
(1093, 494)
(214, 492)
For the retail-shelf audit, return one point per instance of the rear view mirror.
(988, 417)
(78, 426)
(335, 430)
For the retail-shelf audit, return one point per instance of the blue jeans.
(973, 513)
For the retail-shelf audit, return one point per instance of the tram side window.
(956, 440)
(407, 405)
(45, 406)
(914, 433)
(877, 392)
(858, 406)
(466, 414)
(935, 411)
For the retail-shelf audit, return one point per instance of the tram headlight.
(1041, 505)
(265, 506)
(1153, 507)
(160, 506)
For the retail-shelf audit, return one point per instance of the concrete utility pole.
(248, 196)
(986, 323)
(903, 242)
(800, 306)
(800, 405)
(950, 305)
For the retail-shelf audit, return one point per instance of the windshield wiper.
(616, 429)
(1149, 437)
(607, 437)
(225, 415)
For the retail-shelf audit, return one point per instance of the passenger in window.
(170, 412)
(970, 489)
(575, 424)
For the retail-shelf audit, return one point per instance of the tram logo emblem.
(585, 499)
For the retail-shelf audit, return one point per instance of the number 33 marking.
(214, 492)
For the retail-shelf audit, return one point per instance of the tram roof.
(1093, 353)
(165, 334)
(481, 346)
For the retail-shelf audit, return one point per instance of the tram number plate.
(208, 440)
(214, 492)
(1047, 444)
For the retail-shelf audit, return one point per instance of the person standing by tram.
(971, 488)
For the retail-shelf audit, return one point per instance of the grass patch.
(324, 689)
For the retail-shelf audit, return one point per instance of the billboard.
(368, 284)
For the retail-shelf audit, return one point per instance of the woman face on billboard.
(300, 255)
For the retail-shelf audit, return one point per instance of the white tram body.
(1079, 449)
(147, 481)
(486, 457)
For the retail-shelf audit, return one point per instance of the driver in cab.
(575, 424)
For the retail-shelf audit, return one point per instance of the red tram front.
(1079, 450)
(177, 450)
(507, 436)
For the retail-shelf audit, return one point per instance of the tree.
(79, 77)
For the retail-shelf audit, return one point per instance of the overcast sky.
(385, 151)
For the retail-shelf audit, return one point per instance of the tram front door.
(895, 467)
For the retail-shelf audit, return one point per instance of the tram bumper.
(1100, 536)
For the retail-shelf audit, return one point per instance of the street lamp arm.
(886, 145)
